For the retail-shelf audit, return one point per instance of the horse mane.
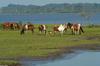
(69, 24)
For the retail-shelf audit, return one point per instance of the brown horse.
(42, 28)
(6, 25)
(26, 27)
(15, 26)
(76, 28)
(55, 28)
(10, 25)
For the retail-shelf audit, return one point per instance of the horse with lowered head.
(42, 29)
(11, 25)
(60, 28)
(76, 28)
(26, 27)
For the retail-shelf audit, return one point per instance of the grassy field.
(12, 44)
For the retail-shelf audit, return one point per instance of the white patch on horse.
(44, 27)
(61, 28)
(79, 25)
(26, 26)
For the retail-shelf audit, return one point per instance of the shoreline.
(63, 50)
(54, 55)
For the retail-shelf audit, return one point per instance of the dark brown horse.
(76, 28)
(26, 27)
(11, 25)
(42, 29)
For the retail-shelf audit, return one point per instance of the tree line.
(51, 8)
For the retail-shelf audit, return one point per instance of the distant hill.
(51, 8)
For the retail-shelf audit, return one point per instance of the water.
(56, 18)
(80, 59)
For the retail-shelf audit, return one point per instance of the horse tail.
(81, 29)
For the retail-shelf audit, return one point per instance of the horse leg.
(45, 32)
(54, 32)
(72, 31)
(79, 32)
(32, 31)
(75, 32)
(22, 31)
(61, 33)
(40, 32)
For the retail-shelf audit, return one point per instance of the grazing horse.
(60, 28)
(76, 28)
(6, 25)
(26, 27)
(14, 26)
(10, 25)
(42, 28)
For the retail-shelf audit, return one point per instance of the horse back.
(55, 28)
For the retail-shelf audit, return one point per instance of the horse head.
(69, 25)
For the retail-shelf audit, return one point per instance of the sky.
(43, 2)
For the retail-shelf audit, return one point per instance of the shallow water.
(75, 59)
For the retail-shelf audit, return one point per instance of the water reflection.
(31, 62)
(79, 58)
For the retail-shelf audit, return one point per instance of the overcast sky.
(43, 2)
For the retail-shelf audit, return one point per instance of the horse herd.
(75, 28)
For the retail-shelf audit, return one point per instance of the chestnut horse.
(26, 27)
(6, 25)
(42, 28)
(10, 25)
(60, 28)
(76, 28)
